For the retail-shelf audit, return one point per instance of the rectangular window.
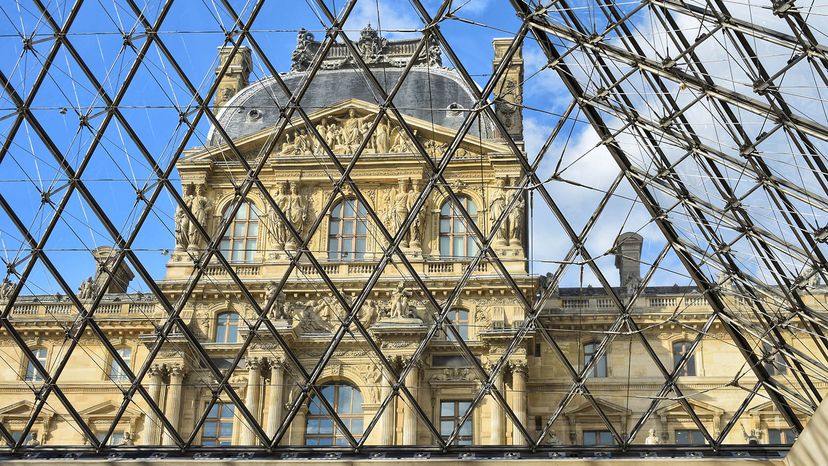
(598, 437)
(781, 436)
(116, 439)
(116, 372)
(690, 437)
(450, 413)
(32, 375)
(218, 428)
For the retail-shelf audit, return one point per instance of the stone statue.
(302, 144)
(127, 441)
(416, 232)
(516, 222)
(382, 137)
(182, 222)
(296, 211)
(277, 230)
(652, 439)
(302, 55)
(371, 45)
(369, 313)
(750, 437)
(374, 377)
(6, 289)
(553, 438)
(278, 308)
(33, 441)
(496, 208)
(87, 289)
(482, 320)
(308, 320)
(400, 208)
(351, 132)
(201, 209)
(399, 143)
(399, 302)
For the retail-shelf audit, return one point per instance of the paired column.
(151, 425)
(519, 371)
(277, 390)
(412, 382)
(497, 414)
(252, 398)
(173, 406)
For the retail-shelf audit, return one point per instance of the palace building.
(586, 379)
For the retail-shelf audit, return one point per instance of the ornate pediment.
(344, 127)
(699, 407)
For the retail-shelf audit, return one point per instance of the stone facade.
(304, 183)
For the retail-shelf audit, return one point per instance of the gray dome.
(432, 94)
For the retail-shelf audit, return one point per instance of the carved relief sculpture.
(516, 222)
(400, 302)
(277, 231)
(182, 221)
(6, 289)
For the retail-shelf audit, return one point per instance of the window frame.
(454, 418)
(217, 420)
(229, 328)
(463, 325)
(598, 433)
(692, 434)
(679, 349)
(116, 373)
(338, 222)
(786, 435)
(601, 369)
(30, 373)
(249, 239)
(350, 418)
(457, 229)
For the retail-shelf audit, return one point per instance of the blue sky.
(192, 31)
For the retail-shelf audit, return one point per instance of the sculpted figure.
(496, 208)
(516, 222)
(182, 222)
(276, 229)
(369, 313)
(351, 131)
(288, 146)
(6, 289)
(382, 137)
(416, 233)
(399, 301)
(296, 211)
(652, 439)
(401, 207)
(128, 441)
(201, 209)
(87, 289)
(33, 442)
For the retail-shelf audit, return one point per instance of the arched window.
(347, 402)
(455, 240)
(239, 244)
(600, 367)
(680, 348)
(347, 231)
(32, 375)
(460, 319)
(227, 327)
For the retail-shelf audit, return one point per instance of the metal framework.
(638, 97)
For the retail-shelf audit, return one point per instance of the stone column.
(519, 371)
(412, 382)
(151, 426)
(277, 390)
(254, 388)
(498, 416)
(298, 426)
(388, 421)
(173, 408)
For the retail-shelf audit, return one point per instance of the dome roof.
(438, 95)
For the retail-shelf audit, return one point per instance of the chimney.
(628, 258)
(237, 75)
(508, 91)
(105, 257)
